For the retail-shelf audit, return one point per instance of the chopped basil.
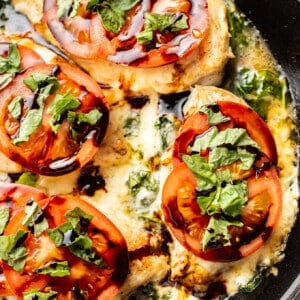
(75, 119)
(35, 219)
(43, 85)
(112, 13)
(72, 234)
(61, 105)
(37, 295)
(55, 269)
(13, 251)
(29, 125)
(217, 142)
(217, 234)
(15, 107)
(166, 129)
(204, 172)
(67, 8)
(37, 81)
(4, 217)
(27, 178)
(11, 63)
(252, 284)
(214, 117)
(141, 179)
(162, 23)
(131, 124)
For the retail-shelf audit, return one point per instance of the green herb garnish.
(162, 23)
(112, 12)
(55, 269)
(37, 295)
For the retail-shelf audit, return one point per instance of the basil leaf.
(204, 141)
(12, 63)
(217, 234)
(4, 218)
(141, 179)
(205, 176)
(233, 197)
(28, 178)
(15, 107)
(82, 247)
(131, 124)
(61, 105)
(72, 235)
(37, 295)
(79, 219)
(112, 13)
(29, 125)
(214, 118)
(13, 251)
(91, 118)
(166, 129)
(35, 219)
(37, 81)
(162, 23)
(67, 8)
(5, 79)
(55, 269)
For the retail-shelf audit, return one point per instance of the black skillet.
(279, 23)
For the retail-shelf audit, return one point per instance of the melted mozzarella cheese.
(204, 66)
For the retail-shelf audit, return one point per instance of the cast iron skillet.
(279, 23)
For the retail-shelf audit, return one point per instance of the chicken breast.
(203, 66)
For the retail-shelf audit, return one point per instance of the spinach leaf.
(260, 87)
(13, 251)
(162, 23)
(112, 13)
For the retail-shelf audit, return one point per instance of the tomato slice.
(241, 117)
(49, 151)
(98, 282)
(264, 202)
(83, 34)
(258, 216)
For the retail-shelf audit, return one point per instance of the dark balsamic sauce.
(173, 103)
(137, 102)
(90, 180)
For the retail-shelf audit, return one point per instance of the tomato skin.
(93, 41)
(101, 283)
(54, 154)
(267, 182)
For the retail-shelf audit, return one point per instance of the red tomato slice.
(183, 216)
(47, 152)
(241, 117)
(84, 35)
(108, 242)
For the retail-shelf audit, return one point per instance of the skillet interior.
(279, 23)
